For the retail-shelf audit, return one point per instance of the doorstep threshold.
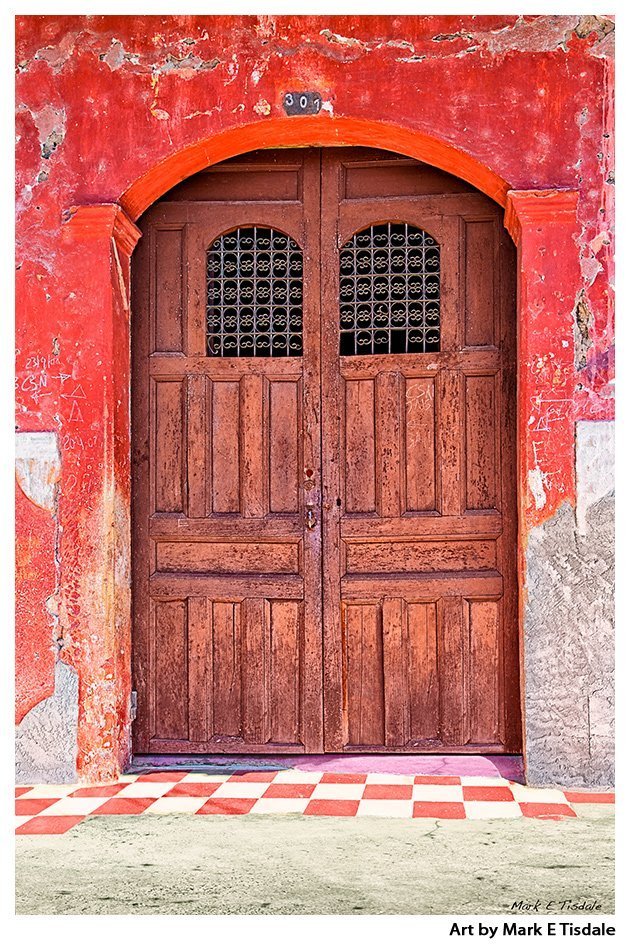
(490, 766)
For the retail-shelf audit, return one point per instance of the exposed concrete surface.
(289, 864)
(569, 649)
(38, 467)
(594, 465)
(46, 738)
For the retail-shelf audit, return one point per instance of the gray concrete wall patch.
(46, 738)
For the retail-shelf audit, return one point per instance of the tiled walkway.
(50, 809)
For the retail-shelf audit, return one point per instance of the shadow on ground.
(290, 864)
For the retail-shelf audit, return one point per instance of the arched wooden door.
(324, 496)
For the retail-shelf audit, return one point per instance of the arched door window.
(389, 291)
(254, 294)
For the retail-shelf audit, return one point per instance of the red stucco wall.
(525, 103)
(35, 566)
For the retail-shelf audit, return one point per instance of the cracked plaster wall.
(569, 636)
(46, 738)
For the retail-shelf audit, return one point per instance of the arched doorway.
(324, 496)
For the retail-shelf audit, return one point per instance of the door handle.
(311, 521)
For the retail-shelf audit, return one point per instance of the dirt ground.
(289, 864)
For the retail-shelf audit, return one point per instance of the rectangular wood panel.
(396, 178)
(244, 182)
(453, 671)
(479, 286)
(359, 446)
(421, 528)
(199, 667)
(364, 674)
(422, 672)
(365, 557)
(256, 657)
(284, 448)
(171, 670)
(483, 620)
(285, 672)
(252, 442)
(228, 586)
(388, 437)
(426, 586)
(227, 668)
(169, 447)
(228, 557)
(395, 696)
(420, 444)
(197, 426)
(481, 455)
(169, 289)
(450, 435)
(225, 446)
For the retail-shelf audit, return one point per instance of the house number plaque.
(302, 103)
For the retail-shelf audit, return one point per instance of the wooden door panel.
(198, 443)
(452, 670)
(223, 557)
(420, 544)
(388, 443)
(200, 668)
(482, 478)
(168, 288)
(447, 527)
(483, 619)
(252, 416)
(284, 446)
(362, 627)
(265, 174)
(422, 677)
(170, 669)
(165, 584)
(449, 445)
(360, 446)
(418, 555)
(465, 359)
(482, 264)
(427, 585)
(325, 546)
(419, 429)
(168, 446)
(228, 672)
(227, 583)
(408, 666)
(286, 666)
(372, 174)
(225, 480)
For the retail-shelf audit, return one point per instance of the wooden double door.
(324, 528)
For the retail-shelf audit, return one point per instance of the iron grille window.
(254, 301)
(389, 291)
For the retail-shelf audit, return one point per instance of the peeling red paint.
(35, 583)
(543, 224)
(112, 109)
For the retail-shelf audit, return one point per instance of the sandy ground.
(290, 864)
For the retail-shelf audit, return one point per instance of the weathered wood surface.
(391, 624)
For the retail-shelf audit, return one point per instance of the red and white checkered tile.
(51, 809)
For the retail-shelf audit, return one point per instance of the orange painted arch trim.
(302, 131)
